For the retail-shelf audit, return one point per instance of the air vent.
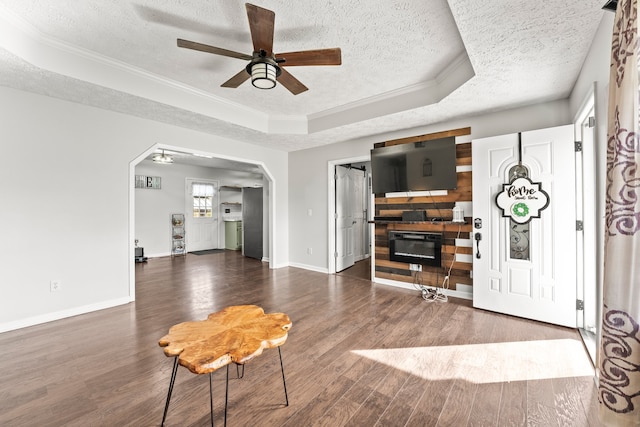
(611, 5)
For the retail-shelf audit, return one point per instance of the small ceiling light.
(263, 70)
(162, 158)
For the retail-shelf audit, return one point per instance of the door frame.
(587, 252)
(188, 207)
(267, 175)
(331, 203)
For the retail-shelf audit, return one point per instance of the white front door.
(201, 219)
(345, 220)
(526, 270)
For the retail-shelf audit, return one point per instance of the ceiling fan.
(265, 67)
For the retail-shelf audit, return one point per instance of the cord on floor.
(435, 293)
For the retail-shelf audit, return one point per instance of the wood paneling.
(426, 137)
(435, 207)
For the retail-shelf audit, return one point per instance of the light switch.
(309, 212)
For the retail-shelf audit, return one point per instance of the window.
(202, 195)
(518, 233)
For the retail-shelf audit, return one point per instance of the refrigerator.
(252, 222)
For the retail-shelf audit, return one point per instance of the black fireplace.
(415, 247)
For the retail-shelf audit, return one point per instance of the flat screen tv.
(417, 166)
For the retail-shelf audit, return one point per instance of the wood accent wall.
(435, 206)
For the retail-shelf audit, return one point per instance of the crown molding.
(429, 92)
(27, 42)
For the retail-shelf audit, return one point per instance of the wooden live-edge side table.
(235, 334)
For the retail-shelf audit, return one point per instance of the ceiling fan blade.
(212, 49)
(291, 83)
(311, 57)
(236, 80)
(261, 23)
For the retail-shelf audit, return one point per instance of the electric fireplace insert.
(416, 247)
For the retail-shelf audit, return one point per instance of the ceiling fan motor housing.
(263, 70)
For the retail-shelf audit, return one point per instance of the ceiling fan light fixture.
(163, 159)
(264, 74)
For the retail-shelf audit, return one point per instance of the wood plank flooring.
(358, 354)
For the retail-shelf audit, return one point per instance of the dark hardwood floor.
(358, 354)
(361, 269)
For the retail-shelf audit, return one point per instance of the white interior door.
(359, 213)
(201, 219)
(526, 271)
(345, 220)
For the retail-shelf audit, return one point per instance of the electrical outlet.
(310, 251)
(55, 285)
(415, 267)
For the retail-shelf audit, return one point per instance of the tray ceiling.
(404, 63)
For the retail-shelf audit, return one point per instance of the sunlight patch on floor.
(489, 363)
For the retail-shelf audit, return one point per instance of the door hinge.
(592, 121)
(335, 254)
(579, 304)
(579, 226)
(578, 146)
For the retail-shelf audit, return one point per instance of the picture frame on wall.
(152, 182)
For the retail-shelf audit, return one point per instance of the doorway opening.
(349, 203)
(193, 160)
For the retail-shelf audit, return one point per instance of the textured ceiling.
(404, 63)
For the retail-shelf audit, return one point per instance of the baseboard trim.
(159, 255)
(57, 315)
(309, 267)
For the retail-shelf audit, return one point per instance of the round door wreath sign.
(522, 200)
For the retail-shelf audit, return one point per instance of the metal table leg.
(173, 380)
(226, 397)
(284, 383)
(226, 392)
(211, 395)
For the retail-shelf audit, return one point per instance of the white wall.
(65, 194)
(308, 176)
(154, 206)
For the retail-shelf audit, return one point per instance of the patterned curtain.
(619, 352)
